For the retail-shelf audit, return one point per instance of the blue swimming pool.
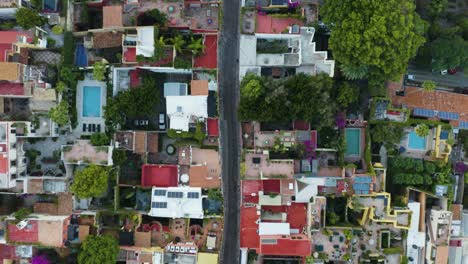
(91, 101)
(416, 142)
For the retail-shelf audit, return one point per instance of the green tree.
(61, 86)
(90, 181)
(429, 86)
(159, 18)
(387, 133)
(178, 42)
(57, 29)
(98, 250)
(196, 45)
(449, 52)
(59, 114)
(99, 70)
(21, 214)
(119, 156)
(28, 18)
(332, 218)
(422, 130)
(437, 7)
(68, 49)
(377, 36)
(99, 139)
(133, 102)
(347, 94)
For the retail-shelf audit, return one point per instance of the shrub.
(99, 139)
(99, 71)
(57, 29)
(422, 130)
(50, 43)
(68, 50)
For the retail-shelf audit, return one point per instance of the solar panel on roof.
(448, 115)
(463, 125)
(193, 195)
(175, 195)
(423, 112)
(159, 192)
(159, 205)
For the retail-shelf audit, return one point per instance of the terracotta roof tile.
(83, 232)
(112, 16)
(143, 239)
(65, 204)
(457, 211)
(436, 100)
(45, 208)
(152, 142)
(199, 87)
(199, 177)
(107, 39)
(140, 142)
(9, 71)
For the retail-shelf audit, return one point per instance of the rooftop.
(9, 71)
(112, 16)
(199, 87)
(437, 100)
(82, 152)
(46, 230)
(199, 177)
(107, 39)
(183, 110)
(210, 159)
(209, 59)
(176, 202)
(159, 175)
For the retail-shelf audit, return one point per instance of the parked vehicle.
(162, 121)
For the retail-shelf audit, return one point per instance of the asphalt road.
(458, 80)
(228, 81)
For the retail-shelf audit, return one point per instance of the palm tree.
(429, 86)
(178, 42)
(196, 45)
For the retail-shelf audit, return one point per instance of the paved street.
(228, 79)
(458, 80)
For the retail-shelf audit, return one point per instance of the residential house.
(185, 111)
(458, 244)
(276, 54)
(8, 8)
(82, 152)
(12, 164)
(205, 168)
(176, 202)
(271, 222)
(416, 239)
(139, 43)
(139, 142)
(437, 105)
(438, 231)
(46, 230)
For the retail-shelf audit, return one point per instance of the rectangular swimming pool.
(416, 142)
(91, 101)
(353, 141)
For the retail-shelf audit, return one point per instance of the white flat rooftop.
(176, 202)
(265, 228)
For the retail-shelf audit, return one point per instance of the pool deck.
(79, 106)
(417, 153)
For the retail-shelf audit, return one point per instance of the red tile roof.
(7, 252)
(4, 48)
(272, 186)
(300, 246)
(160, 175)
(11, 37)
(213, 127)
(436, 100)
(209, 59)
(3, 163)
(10, 88)
(270, 25)
(248, 188)
(29, 234)
(249, 228)
(130, 55)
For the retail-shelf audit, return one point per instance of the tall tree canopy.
(59, 114)
(28, 18)
(98, 250)
(299, 97)
(90, 182)
(449, 52)
(373, 39)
